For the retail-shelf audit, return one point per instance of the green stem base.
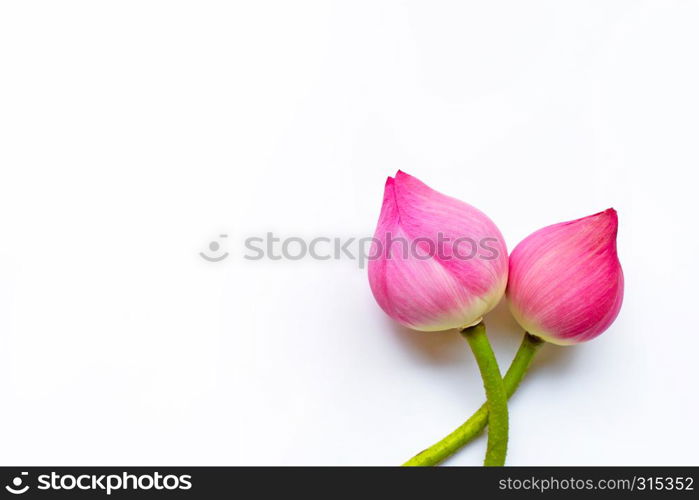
(475, 425)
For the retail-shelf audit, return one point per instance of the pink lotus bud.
(566, 284)
(436, 262)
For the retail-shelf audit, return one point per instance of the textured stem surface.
(495, 395)
(475, 425)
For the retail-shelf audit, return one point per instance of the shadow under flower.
(445, 347)
(449, 348)
(505, 335)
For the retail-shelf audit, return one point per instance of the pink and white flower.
(437, 263)
(566, 284)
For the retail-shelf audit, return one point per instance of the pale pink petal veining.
(435, 290)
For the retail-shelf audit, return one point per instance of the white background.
(134, 133)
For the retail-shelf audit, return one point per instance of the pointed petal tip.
(610, 213)
(610, 217)
(402, 176)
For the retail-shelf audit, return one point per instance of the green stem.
(495, 394)
(474, 425)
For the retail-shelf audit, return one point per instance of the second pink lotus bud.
(566, 284)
